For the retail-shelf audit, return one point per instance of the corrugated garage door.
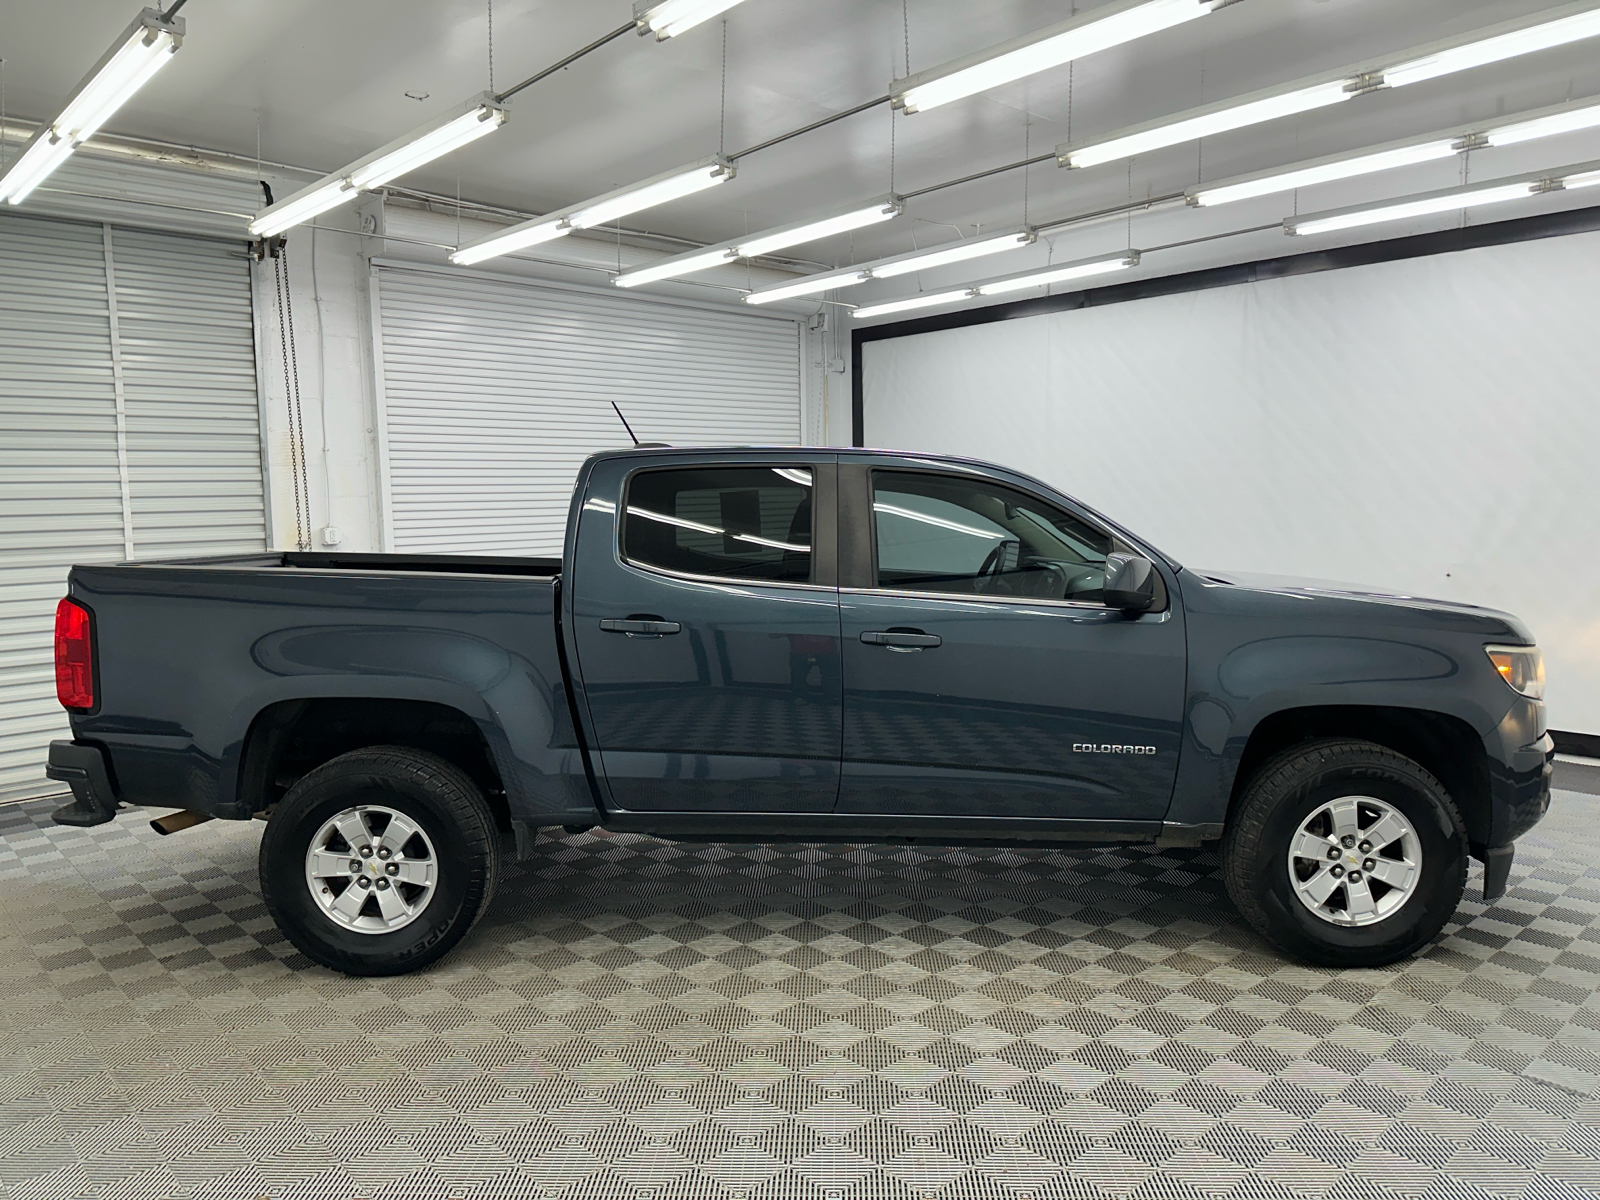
(128, 427)
(495, 392)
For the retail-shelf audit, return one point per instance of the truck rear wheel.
(380, 861)
(1345, 854)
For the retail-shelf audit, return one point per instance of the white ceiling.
(325, 82)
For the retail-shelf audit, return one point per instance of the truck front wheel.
(1345, 854)
(380, 861)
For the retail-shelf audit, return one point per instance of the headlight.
(1520, 666)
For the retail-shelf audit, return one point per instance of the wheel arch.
(1446, 746)
(288, 739)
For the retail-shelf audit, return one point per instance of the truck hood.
(1332, 590)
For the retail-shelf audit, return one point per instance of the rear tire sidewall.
(1432, 903)
(458, 891)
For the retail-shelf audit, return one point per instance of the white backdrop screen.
(1430, 425)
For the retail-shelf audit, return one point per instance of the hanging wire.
(1027, 153)
(491, 44)
(297, 433)
(722, 112)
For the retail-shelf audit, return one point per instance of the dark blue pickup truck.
(804, 645)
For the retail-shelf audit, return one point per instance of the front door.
(983, 675)
(708, 639)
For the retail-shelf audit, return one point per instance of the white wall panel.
(1429, 425)
(494, 392)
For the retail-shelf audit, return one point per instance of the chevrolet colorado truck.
(804, 645)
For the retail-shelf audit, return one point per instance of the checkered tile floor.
(644, 1019)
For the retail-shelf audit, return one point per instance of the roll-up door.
(494, 392)
(128, 428)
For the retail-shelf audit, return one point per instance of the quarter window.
(944, 533)
(751, 523)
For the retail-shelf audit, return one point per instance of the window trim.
(816, 470)
(977, 476)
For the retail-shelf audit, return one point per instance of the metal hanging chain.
(905, 26)
(722, 111)
(297, 439)
(491, 45)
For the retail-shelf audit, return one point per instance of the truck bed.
(453, 564)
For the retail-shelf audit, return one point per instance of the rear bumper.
(84, 769)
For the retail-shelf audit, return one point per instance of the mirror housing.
(1130, 583)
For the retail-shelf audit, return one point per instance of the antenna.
(624, 421)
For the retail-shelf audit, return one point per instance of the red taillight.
(74, 656)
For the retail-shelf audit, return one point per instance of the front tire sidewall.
(448, 915)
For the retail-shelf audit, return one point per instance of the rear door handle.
(640, 626)
(902, 640)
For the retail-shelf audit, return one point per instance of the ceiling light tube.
(928, 300)
(678, 264)
(810, 285)
(669, 185)
(1323, 170)
(465, 123)
(146, 46)
(1554, 27)
(978, 247)
(669, 18)
(766, 242)
(1106, 26)
(1512, 39)
(1492, 191)
(1062, 274)
(884, 208)
(1520, 127)
(1225, 115)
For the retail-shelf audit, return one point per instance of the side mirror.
(1130, 582)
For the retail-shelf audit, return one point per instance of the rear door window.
(749, 523)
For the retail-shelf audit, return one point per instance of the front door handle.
(640, 626)
(903, 640)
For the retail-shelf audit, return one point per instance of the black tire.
(434, 794)
(1284, 793)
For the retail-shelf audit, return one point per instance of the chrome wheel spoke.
(415, 871)
(400, 830)
(1395, 874)
(1311, 845)
(350, 901)
(1319, 887)
(1387, 830)
(353, 829)
(324, 864)
(1360, 904)
(391, 905)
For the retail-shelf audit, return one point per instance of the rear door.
(983, 675)
(705, 619)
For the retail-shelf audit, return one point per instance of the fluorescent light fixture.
(670, 185)
(1530, 128)
(1061, 274)
(1554, 27)
(465, 123)
(1022, 281)
(1109, 25)
(146, 46)
(1542, 31)
(1491, 191)
(767, 241)
(810, 285)
(669, 18)
(1203, 122)
(678, 264)
(1323, 170)
(922, 260)
(612, 206)
(1520, 127)
(755, 245)
(927, 300)
(900, 264)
